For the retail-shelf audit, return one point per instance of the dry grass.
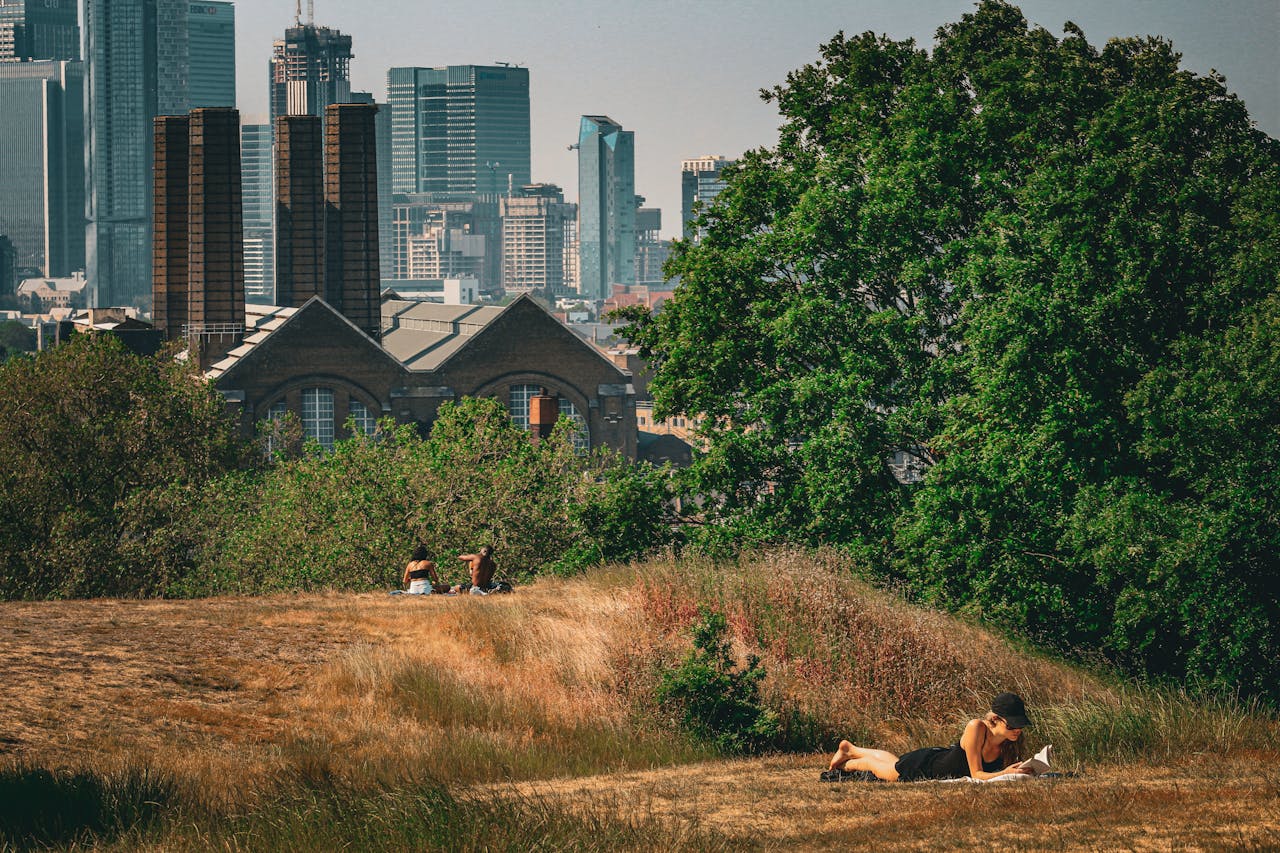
(533, 696)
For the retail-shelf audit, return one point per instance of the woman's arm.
(408, 568)
(975, 735)
(431, 569)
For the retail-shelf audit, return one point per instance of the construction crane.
(311, 13)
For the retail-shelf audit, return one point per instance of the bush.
(714, 700)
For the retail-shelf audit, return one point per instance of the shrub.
(714, 700)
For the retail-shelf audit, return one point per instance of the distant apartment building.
(136, 68)
(651, 250)
(211, 33)
(258, 194)
(42, 164)
(459, 130)
(538, 233)
(39, 29)
(606, 206)
(310, 69)
(441, 236)
(701, 180)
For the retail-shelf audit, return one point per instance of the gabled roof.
(422, 335)
(263, 321)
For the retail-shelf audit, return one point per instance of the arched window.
(361, 417)
(518, 397)
(274, 414)
(317, 415)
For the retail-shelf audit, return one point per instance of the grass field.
(525, 722)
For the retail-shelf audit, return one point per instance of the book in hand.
(1039, 764)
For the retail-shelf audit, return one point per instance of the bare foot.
(844, 752)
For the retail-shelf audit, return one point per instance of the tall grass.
(864, 663)
(137, 811)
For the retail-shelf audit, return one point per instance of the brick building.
(316, 363)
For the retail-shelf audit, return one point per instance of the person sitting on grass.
(420, 573)
(482, 568)
(990, 747)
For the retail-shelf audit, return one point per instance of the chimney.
(299, 196)
(216, 235)
(169, 280)
(544, 411)
(352, 279)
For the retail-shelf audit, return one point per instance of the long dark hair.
(419, 554)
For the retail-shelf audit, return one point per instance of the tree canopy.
(1001, 315)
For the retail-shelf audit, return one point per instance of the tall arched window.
(317, 415)
(518, 397)
(361, 417)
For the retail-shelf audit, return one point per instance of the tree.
(974, 259)
(85, 429)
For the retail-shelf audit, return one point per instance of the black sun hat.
(1010, 706)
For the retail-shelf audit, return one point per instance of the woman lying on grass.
(989, 747)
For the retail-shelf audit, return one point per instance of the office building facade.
(460, 129)
(136, 65)
(39, 29)
(257, 165)
(701, 180)
(42, 164)
(211, 34)
(606, 207)
(310, 68)
(538, 228)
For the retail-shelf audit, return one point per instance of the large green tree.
(985, 260)
(87, 431)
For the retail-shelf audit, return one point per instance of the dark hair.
(419, 553)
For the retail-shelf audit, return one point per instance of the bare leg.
(877, 761)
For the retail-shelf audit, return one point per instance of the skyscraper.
(460, 129)
(700, 182)
(258, 194)
(135, 69)
(39, 29)
(42, 164)
(606, 206)
(310, 69)
(211, 27)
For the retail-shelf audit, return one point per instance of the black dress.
(939, 762)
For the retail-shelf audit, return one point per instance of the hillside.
(527, 704)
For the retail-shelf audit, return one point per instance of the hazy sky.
(685, 76)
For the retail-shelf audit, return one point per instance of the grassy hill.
(527, 721)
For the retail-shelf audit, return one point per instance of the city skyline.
(686, 79)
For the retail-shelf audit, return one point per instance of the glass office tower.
(211, 29)
(606, 207)
(258, 195)
(701, 180)
(42, 164)
(39, 29)
(460, 129)
(136, 66)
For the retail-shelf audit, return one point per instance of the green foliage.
(349, 518)
(87, 431)
(39, 808)
(715, 700)
(1040, 272)
(15, 338)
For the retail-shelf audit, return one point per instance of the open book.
(1039, 764)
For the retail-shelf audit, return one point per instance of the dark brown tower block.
(351, 214)
(169, 282)
(216, 233)
(299, 210)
